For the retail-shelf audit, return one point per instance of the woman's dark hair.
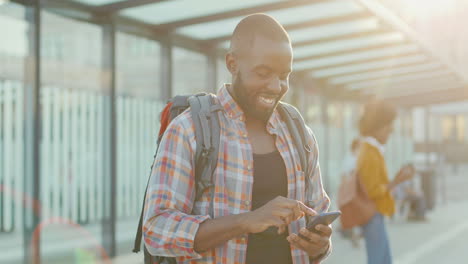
(376, 115)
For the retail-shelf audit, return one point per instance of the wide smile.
(266, 100)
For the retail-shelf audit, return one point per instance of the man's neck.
(254, 124)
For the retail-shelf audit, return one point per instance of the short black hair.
(257, 25)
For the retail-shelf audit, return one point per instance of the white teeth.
(267, 100)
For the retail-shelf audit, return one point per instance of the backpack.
(203, 109)
(353, 201)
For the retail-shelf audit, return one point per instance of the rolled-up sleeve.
(169, 229)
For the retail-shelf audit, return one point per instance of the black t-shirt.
(270, 180)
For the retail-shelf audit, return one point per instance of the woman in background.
(375, 127)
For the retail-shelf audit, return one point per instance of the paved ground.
(443, 239)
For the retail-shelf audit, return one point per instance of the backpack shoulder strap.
(298, 130)
(299, 133)
(179, 104)
(203, 108)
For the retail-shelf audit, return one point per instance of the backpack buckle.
(201, 187)
(206, 152)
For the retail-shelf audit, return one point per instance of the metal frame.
(373, 69)
(435, 97)
(348, 36)
(370, 83)
(383, 58)
(386, 74)
(110, 139)
(416, 85)
(212, 72)
(123, 4)
(348, 51)
(238, 12)
(32, 183)
(166, 68)
(310, 23)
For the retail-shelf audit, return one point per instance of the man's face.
(262, 77)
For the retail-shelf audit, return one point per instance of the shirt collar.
(234, 111)
(374, 142)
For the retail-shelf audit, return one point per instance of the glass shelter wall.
(72, 149)
(13, 54)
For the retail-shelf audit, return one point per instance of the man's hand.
(316, 244)
(279, 212)
(405, 173)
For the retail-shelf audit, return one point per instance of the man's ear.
(231, 63)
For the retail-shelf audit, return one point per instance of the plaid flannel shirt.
(172, 217)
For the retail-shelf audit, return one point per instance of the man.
(259, 198)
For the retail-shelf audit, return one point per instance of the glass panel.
(421, 86)
(190, 71)
(391, 81)
(171, 11)
(225, 44)
(224, 76)
(356, 56)
(368, 66)
(461, 127)
(347, 44)
(331, 30)
(313, 112)
(99, 2)
(336, 146)
(138, 104)
(301, 14)
(13, 53)
(385, 73)
(448, 128)
(72, 144)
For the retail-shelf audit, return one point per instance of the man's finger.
(325, 230)
(307, 210)
(303, 244)
(314, 238)
(281, 223)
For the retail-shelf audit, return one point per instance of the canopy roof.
(356, 47)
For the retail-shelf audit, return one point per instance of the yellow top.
(373, 174)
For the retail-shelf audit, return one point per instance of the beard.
(248, 100)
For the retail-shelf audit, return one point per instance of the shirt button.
(244, 135)
(249, 168)
(247, 203)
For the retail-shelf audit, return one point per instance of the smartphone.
(321, 219)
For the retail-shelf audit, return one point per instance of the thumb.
(307, 210)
